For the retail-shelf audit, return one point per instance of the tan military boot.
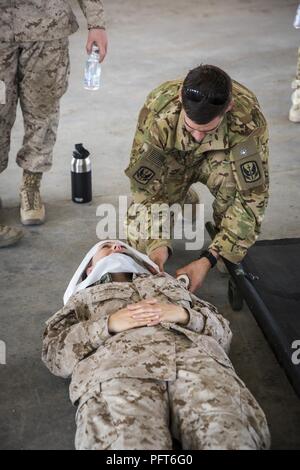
(9, 235)
(32, 209)
(294, 115)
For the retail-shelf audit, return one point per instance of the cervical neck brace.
(134, 262)
(114, 263)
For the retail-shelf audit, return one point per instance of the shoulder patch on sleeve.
(248, 168)
(149, 167)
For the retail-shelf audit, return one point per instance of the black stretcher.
(268, 279)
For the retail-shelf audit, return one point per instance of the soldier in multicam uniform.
(294, 114)
(34, 67)
(148, 362)
(206, 128)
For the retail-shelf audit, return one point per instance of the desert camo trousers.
(206, 407)
(36, 73)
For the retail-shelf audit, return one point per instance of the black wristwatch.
(211, 258)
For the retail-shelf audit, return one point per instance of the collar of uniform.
(183, 140)
(109, 277)
(216, 141)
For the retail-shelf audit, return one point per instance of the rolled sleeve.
(94, 12)
(67, 340)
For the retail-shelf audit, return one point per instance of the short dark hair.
(206, 93)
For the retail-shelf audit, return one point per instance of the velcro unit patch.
(248, 165)
(148, 167)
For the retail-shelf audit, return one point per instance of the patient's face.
(105, 250)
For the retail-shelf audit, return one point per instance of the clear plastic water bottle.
(92, 71)
(297, 18)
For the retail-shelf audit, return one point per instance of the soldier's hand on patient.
(159, 256)
(124, 319)
(98, 37)
(196, 271)
(166, 312)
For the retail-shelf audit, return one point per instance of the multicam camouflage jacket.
(232, 162)
(77, 341)
(43, 20)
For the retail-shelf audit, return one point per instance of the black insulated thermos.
(81, 175)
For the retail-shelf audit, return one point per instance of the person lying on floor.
(148, 360)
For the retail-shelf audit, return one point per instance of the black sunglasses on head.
(197, 95)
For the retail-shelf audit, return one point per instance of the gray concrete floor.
(149, 42)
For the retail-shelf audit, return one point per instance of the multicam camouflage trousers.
(206, 407)
(37, 74)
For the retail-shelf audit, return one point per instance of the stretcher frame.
(241, 287)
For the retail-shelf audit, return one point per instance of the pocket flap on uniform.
(175, 292)
(116, 290)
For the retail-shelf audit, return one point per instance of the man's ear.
(230, 106)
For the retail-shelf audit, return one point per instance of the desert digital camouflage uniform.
(126, 385)
(232, 162)
(34, 67)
